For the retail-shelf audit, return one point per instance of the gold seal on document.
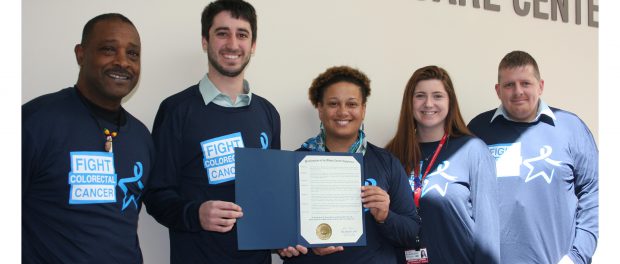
(324, 231)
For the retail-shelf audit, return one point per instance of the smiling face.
(109, 62)
(430, 106)
(229, 47)
(342, 111)
(519, 91)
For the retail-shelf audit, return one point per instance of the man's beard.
(218, 67)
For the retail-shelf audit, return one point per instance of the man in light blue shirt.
(547, 170)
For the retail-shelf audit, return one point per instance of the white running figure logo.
(545, 152)
(441, 168)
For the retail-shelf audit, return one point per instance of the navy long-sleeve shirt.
(460, 221)
(195, 163)
(80, 204)
(547, 173)
(384, 242)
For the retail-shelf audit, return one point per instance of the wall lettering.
(553, 10)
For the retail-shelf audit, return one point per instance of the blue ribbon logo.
(127, 200)
(264, 140)
(369, 182)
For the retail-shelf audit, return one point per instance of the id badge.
(413, 256)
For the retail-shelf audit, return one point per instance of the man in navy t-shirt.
(85, 160)
(195, 133)
(547, 170)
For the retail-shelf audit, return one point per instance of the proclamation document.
(330, 204)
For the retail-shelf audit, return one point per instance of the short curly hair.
(338, 74)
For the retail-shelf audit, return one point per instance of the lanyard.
(418, 188)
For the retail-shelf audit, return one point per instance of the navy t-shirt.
(460, 221)
(80, 204)
(385, 242)
(195, 163)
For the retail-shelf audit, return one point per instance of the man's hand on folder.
(218, 216)
(377, 200)
(292, 251)
(320, 251)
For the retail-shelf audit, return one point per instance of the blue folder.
(267, 189)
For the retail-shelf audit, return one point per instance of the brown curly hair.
(338, 74)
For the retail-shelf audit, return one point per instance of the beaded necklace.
(96, 112)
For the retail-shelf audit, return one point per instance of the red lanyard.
(418, 189)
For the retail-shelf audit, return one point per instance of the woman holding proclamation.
(340, 94)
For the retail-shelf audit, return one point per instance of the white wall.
(297, 40)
